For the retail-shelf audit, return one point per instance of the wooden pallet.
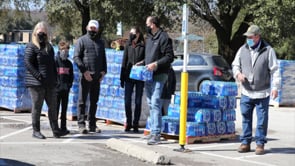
(111, 121)
(192, 140)
(277, 105)
(17, 110)
(213, 138)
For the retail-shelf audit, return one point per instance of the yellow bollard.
(183, 108)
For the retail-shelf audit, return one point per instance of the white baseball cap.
(93, 23)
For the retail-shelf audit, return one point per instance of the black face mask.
(42, 37)
(92, 34)
(132, 36)
(148, 29)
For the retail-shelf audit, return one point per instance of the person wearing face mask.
(158, 58)
(133, 53)
(255, 67)
(41, 79)
(90, 57)
(65, 77)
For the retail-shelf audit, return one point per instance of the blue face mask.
(250, 42)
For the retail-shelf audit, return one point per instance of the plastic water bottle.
(203, 115)
(211, 128)
(230, 127)
(220, 128)
(216, 115)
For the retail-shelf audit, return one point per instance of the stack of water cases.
(111, 100)
(286, 94)
(210, 112)
(14, 95)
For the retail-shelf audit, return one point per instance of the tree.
(222, 15)
(108, 12)
(16, 15)
(277, 23)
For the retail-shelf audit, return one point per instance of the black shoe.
(94, 130)
(128, 128)
(135, 130)
(56, 134)
(83, 130)
(38, 134)
(64, 132)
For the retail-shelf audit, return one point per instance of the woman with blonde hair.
(41, 79)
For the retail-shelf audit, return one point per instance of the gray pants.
(38, 95)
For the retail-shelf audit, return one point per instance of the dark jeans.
(92, 88)
(38, 95)
(129, 86)
(62, 99)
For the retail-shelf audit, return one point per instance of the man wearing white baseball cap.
(89, 56)
(254, 66)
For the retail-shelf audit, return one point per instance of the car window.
(177, 62)
(220, 61)
(196, 60)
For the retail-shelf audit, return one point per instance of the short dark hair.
(155, 20)
(62, 45)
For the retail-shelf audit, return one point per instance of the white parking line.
(238, 159)
(47, 142)
(15, 119)
(17, 132)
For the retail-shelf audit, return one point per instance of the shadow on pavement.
(283, 150)
(10, 162)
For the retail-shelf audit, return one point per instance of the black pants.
(92, 88)
(38, 95)
(62, 99)
(129, 86)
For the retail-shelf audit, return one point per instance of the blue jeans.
(247, 106)
(153, 94)
(129, 86)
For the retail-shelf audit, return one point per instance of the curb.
(138, 151)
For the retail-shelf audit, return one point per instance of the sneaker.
(38, 134)
(155, 139)
(83, 130)
(147, 137)
(244, 148)
(259, 150)
(94, 130)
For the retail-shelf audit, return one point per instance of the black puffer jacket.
(40, 66)
(89, 55)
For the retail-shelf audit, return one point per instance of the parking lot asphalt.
(115, 147)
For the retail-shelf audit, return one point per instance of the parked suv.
(201, 67)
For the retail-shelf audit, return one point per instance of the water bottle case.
(140, 73)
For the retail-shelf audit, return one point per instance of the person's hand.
(139, 63)
(241, 77)
(102, 75)
(152, 66)
(87, 76)
(122, 84)
(274, 94)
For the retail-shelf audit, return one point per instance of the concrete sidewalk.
(15, 130)
(280, 149)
